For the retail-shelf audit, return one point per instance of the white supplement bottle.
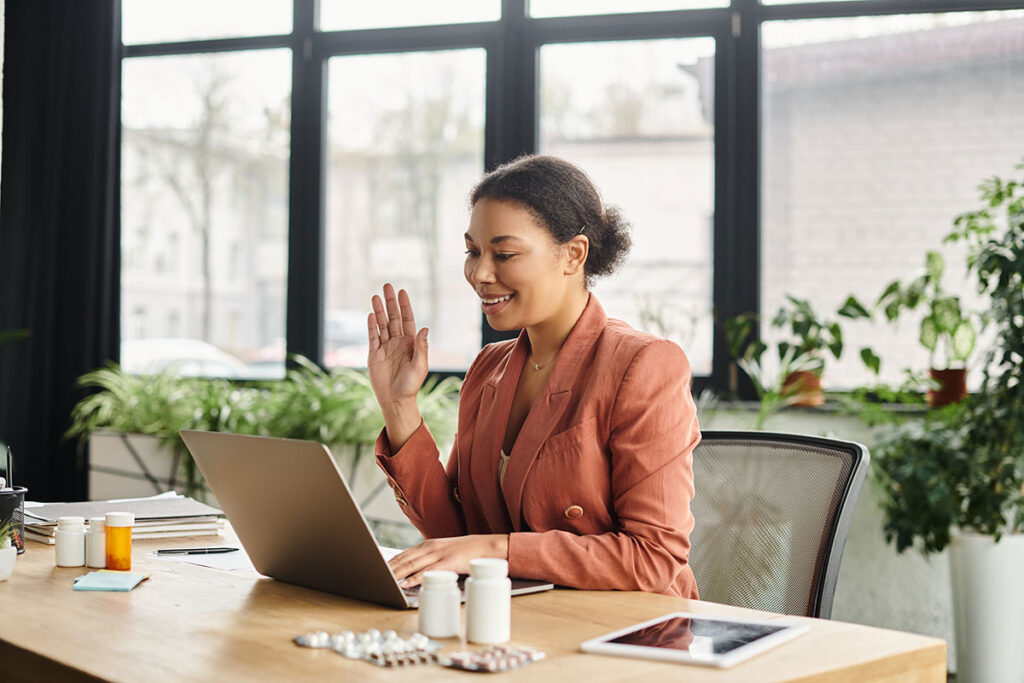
(488, 602)
(440, 601)
(70, 542)
(96, 543)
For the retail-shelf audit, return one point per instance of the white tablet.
(695, 639)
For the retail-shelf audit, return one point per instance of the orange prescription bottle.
(119, 540)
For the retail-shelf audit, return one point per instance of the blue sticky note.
(109, 581)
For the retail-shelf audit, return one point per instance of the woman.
(573, 453)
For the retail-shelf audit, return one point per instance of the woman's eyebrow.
(495, 240)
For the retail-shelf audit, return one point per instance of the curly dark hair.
(563, 200)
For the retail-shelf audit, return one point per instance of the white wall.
(876, 586)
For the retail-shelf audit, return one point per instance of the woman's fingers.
(372, 333)
(393, 315)
(409, 562)
(381, 317)
(394, 311)
(408, 319)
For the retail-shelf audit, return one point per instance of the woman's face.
(520, 273)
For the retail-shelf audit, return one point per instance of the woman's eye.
(503, 257)
(471, 253)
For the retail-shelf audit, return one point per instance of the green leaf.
(914, 293)
(934, 265)
(929, 333)
(871, 360)
(836, 346)
(853, 309)
(890, 291)
(946, 314)
(964, 340)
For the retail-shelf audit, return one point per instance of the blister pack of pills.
(493, 659)
(383, 648)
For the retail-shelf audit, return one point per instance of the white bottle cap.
(120, 519)
(70, 522)
(96, 523)
(439, 578)
(488, 568)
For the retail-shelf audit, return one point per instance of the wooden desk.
(191, 623)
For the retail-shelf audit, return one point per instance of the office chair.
(772, 513)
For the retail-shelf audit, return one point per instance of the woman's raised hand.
(397, 362)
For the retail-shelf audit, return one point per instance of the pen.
(194, 551)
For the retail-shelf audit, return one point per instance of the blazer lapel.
(550, 405)
(492, 419)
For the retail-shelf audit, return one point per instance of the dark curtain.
(59, 247)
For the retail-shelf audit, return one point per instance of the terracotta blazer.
(598, 485)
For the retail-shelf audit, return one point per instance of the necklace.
(538, 366)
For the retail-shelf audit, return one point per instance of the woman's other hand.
(446, 553)
(397, 362)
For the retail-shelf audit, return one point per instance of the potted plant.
(956, 478)
(806, 338)
(945, 330)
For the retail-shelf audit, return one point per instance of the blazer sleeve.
(422, 487)
(653, 431)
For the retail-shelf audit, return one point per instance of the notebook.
(296, 518)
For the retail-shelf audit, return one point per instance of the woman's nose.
(483, 271)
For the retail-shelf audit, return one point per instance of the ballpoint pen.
(194, 551)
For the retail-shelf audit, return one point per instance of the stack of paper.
(168, 515)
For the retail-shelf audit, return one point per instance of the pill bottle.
(119, 540)
(488, 602)
(96, 543)
(440, 599)
(70, 542)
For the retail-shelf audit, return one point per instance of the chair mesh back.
(764, 513)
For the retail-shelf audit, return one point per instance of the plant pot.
(7, 557)
(952, 386)
(988, 596)
(803, 388)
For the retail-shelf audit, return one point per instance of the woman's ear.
(576, 251)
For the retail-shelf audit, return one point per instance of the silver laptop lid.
(294, 514)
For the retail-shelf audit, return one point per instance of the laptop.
(296, 518)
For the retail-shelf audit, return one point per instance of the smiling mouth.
(498, 300)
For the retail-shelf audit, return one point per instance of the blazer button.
(573, 512)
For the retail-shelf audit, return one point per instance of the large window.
(282, 159)
(875, 132)
(204, 223)
(638, 116)
(400, 164)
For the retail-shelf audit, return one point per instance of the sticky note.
(104, 580)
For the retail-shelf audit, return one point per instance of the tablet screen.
(699, 637)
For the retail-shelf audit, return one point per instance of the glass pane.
(162, 21)
(204, 212)
(876, 132)
(637, 117)
(565, 8)
(338, 15)
(401, 162)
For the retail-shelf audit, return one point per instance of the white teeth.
(495, 301)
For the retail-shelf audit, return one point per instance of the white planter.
(132, 466)
(7, 557)
(988, 607)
